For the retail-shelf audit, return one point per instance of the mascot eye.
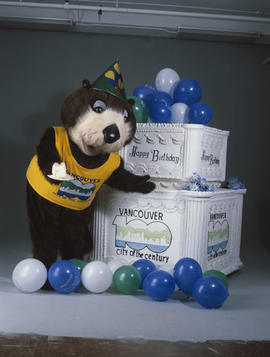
(125, 114)
(99, 106)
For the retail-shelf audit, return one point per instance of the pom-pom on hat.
(111, 81)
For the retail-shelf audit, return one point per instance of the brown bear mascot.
(73, 161)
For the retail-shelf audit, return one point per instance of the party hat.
(111, 81)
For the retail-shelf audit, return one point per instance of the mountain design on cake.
(218, 236)
(76, 189)
(155, 236)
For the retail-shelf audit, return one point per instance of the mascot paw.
(143, 185)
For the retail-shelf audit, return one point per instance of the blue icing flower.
(232, 180)
(195, 187)
(195, 177)
(185, 187)
(211, 187)
(235, 184)
(203, 181)
(203, 184)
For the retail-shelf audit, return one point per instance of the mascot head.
(98, 117)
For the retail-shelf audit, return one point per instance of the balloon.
(158, 96)
(144, 267)
(64, 276)
(166, 79)
(186, 272)
(29, 275)
(187, 91)
(217, 274)
(159, 113)
(179, 113)
(97, 277)
(169, 268)
(139, 110)
(200, 113)
(159, 285)
(210, 292)
(126, 279)
(143, 91)
(148, 99)
(79, 263)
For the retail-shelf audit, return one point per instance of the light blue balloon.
(179, 113)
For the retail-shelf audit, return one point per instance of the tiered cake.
(171, 223)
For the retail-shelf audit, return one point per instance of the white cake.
(175, 151)
(171, 223)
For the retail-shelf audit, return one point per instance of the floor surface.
(244, 316)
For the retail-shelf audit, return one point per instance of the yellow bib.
(78, 193)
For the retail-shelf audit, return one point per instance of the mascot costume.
(73, 161)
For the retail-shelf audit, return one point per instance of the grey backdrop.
(38, 69)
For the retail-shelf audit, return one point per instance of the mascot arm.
(124, 180)
(47, 153)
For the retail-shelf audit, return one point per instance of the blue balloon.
(159, 112)
(158, 96)
(148, 99)
(187, 91)
(64, 276)
(159, 285)
(144, 267)
(143, 91)
(186, 272)
(200, 113)
(210, 292)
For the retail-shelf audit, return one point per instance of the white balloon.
(173, 88)
(96, 276)
(29, 275)
(166, 79)
(179, 113)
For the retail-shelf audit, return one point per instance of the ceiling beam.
(138, 21)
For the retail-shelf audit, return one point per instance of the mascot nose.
(111, 134)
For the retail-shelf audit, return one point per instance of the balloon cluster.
(198, 183)
(173, 100)
(210, 289)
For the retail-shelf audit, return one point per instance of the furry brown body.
(58, 230)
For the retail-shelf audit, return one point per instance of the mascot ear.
(131, 101)
(86, 84)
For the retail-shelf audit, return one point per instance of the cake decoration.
(173, 100)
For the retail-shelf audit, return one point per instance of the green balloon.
(79, 263)
(139, 110)
(217, 274)
(126, 279)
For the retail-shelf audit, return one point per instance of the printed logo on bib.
(76, 189)
(156, 236)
